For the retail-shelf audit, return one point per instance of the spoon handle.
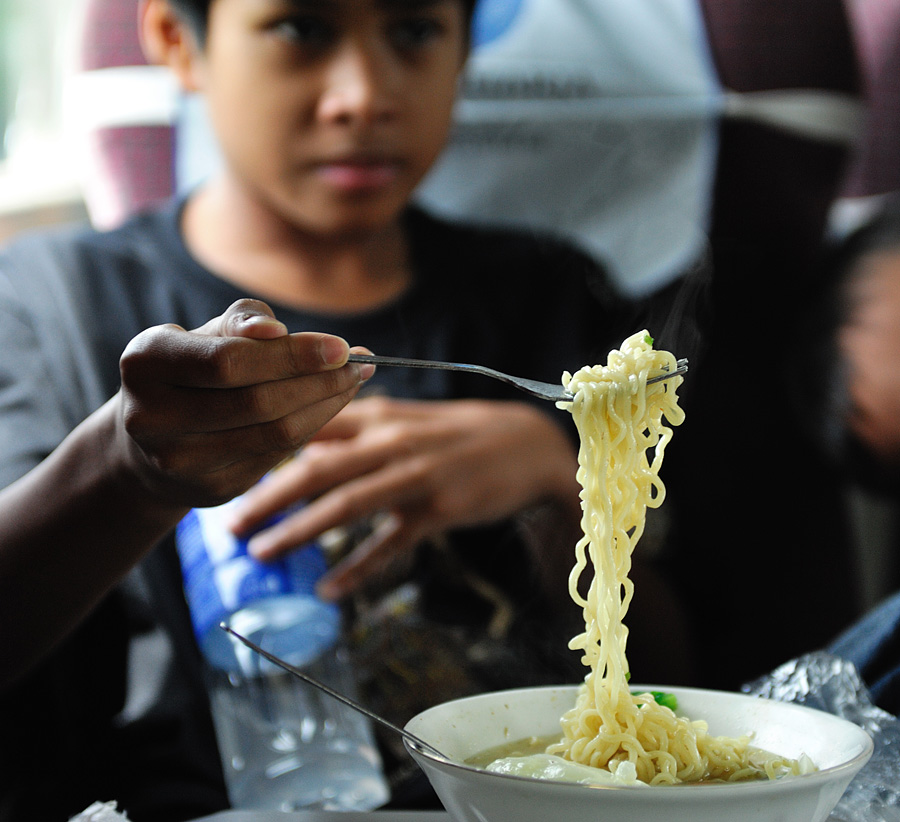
(412, 738)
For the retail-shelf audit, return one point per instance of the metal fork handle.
(376, 359)
(545, 390)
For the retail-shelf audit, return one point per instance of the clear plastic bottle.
(284, 745)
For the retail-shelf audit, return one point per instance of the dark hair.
(196, 12)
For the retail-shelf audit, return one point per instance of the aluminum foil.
(830, 683)
(100, 812)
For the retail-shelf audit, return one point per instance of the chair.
(614, 123)
(123, 112)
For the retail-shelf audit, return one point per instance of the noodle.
(623, 440)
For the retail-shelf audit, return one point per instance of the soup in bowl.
(464, 729)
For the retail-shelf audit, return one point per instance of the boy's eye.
(413, 33)
(306, 30)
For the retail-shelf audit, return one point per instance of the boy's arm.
(200, 417)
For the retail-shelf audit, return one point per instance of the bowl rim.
(769, 785)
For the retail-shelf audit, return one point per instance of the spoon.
(291, 669)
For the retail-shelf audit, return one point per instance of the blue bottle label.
(221, 578)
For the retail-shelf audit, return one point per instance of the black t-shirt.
(119, 711)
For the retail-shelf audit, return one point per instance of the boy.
(328, 113)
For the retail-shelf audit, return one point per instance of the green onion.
(663, 698)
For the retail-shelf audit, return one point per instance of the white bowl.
(466, 727)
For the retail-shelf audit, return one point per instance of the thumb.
(245, 318)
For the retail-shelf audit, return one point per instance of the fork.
(544, 390)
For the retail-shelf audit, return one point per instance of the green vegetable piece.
(666, 700)
(648, 339)
(663, 698)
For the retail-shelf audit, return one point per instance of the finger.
(176, 453)
(325, 465)
(349, 503)
(392, 541)
(370, 443)
(318, 468)
(208, 410)
(282, 488)
(369, 410)
(170, 355)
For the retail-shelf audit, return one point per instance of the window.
(37, 41)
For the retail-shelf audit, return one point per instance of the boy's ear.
(168, 40)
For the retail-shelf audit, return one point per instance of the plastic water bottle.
(284, 744)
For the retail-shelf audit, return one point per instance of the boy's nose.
(357, 88)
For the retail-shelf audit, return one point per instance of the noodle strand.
(621, 421)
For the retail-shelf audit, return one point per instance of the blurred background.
(38, 183)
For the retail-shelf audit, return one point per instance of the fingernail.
(366, 370)
(262, 321)
(333, 350)
(259, 548)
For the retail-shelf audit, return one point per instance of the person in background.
(869, 337)
(847, 382)
(328, 115)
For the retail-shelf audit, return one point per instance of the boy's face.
(331, 111)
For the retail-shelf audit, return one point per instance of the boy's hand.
(432, 466)
(205, 413)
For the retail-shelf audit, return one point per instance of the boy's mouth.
(359, 174)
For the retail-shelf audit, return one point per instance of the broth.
(535, 746)
(521, 747)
